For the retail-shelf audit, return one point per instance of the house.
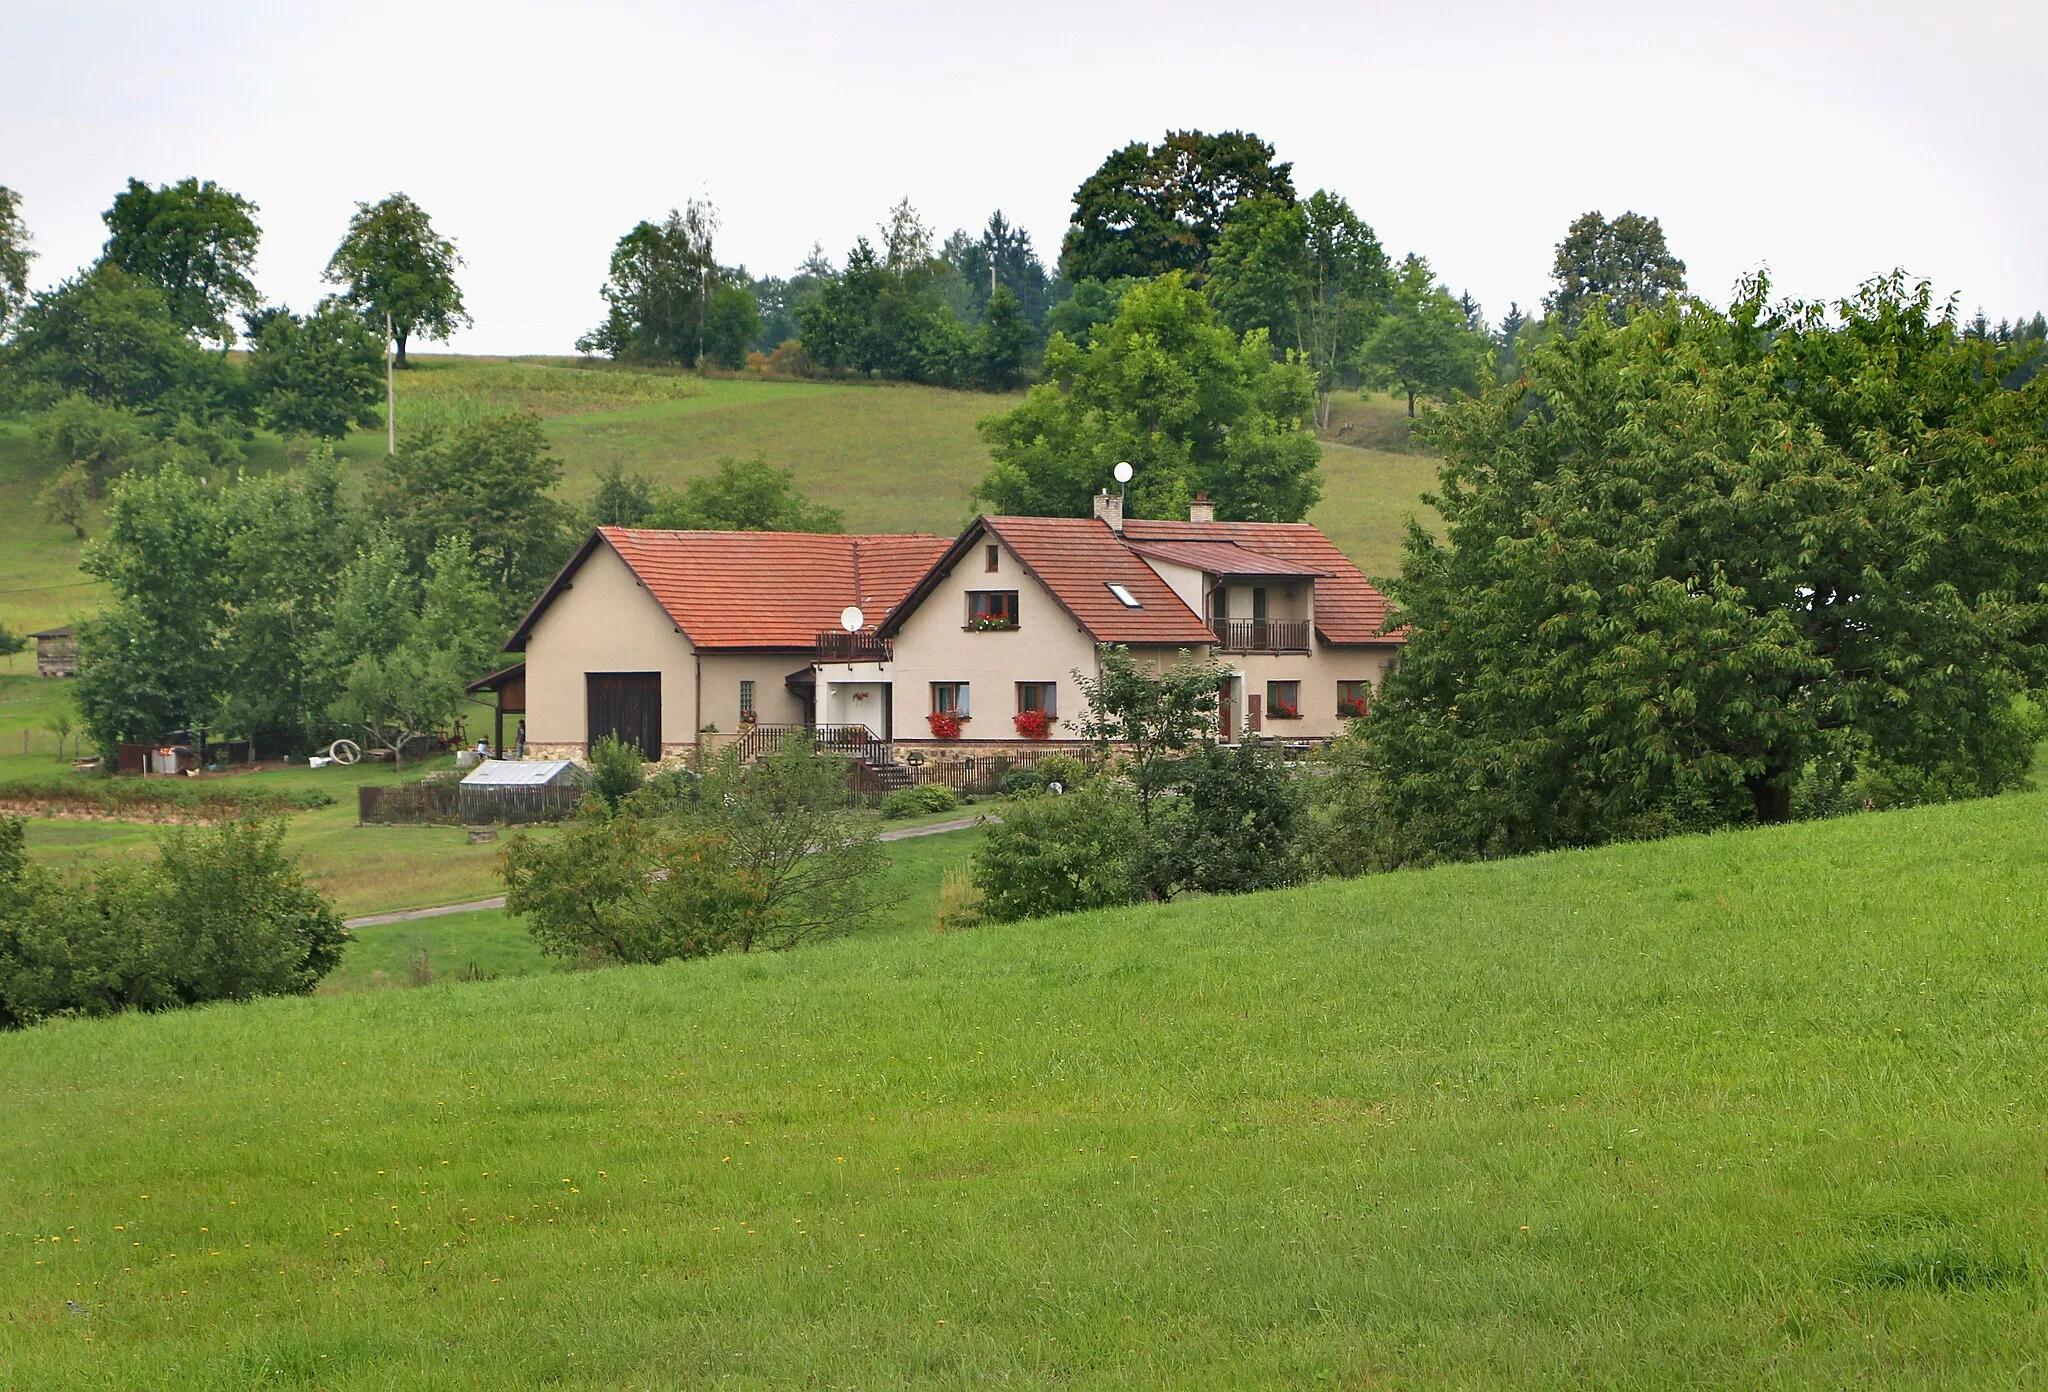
(682, 638)
(676, 638)
(56, 652)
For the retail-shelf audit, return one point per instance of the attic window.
(1123, 595)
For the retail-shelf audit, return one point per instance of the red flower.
(945, 725)
(1355, 708)
(1034, 724)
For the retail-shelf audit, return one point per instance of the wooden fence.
(442, 802)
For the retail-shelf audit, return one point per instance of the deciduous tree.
(320, 375)
(392, 262)
(742, 495)
(1623, 262)
(1695, 565)
(491, 479)
(1423, 345)
(15, 254)
(1150, 209)
(1191, 405)
(194, 241)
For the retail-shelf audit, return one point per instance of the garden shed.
(520, 790)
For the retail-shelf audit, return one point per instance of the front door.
(626, 704)
(1226, 711)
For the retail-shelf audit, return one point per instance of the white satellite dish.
(1122, 473)
(851, 618)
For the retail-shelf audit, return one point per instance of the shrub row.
(220, 914)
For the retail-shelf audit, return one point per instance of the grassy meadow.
(1760, 1108)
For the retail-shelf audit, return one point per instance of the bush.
(627, 888)
(1060, 854)
(1234, 827)
(760, 855)
(919, 801)
(617, 770)
(221, 914)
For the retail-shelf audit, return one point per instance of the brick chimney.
(1201, 509)
(1110, 508)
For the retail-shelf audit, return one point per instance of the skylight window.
(1123, 596)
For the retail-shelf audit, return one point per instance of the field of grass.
(1761, 1108)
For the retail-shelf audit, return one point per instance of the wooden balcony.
(1261, 635)
(838, 645)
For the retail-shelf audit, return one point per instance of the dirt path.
(497, 901)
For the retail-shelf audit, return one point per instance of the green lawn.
(1762, 1108)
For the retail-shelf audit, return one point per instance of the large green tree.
(1311, 274)
(15, 254)
(1164, 387)
(662, 290)
(409, 676)
(319, 375)
(1624, 262)
(151, 661)
(392, 262)
(492, 480)
(1150, 209)
(1424, 344)
(111, 336)
(1710, 568)
(194, 241)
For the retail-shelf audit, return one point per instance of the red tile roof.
(1348, 608)
(1226, 558)
(757, 590)
(1075, 559)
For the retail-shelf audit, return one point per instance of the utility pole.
(390, 392)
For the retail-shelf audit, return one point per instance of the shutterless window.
(1283, 700)
(992, 555)
(1352, 698)
(1123, 595)
(746, 700)
(992, 608)
(949, 698)
(1038, 696)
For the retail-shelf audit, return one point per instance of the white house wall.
(1046, 646)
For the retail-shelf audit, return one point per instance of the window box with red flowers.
(945, 725)
(1353, 709)
(1034, 724)
(1279, 711)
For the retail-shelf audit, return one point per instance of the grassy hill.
(1758, 1108)
(893, 457)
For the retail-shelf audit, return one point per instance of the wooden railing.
(1261, 635)
(838, 645)
(853, 741)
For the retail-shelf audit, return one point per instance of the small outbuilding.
(518, 790)
(57, 652)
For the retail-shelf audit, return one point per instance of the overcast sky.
(1827, 142)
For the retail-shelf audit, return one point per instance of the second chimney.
(1110, 508)
(1201, 509)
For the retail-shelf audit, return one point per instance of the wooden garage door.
(626, 704)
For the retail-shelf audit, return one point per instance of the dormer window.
(1123, 595)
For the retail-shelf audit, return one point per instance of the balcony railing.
(1261, 635)
(838, 645)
